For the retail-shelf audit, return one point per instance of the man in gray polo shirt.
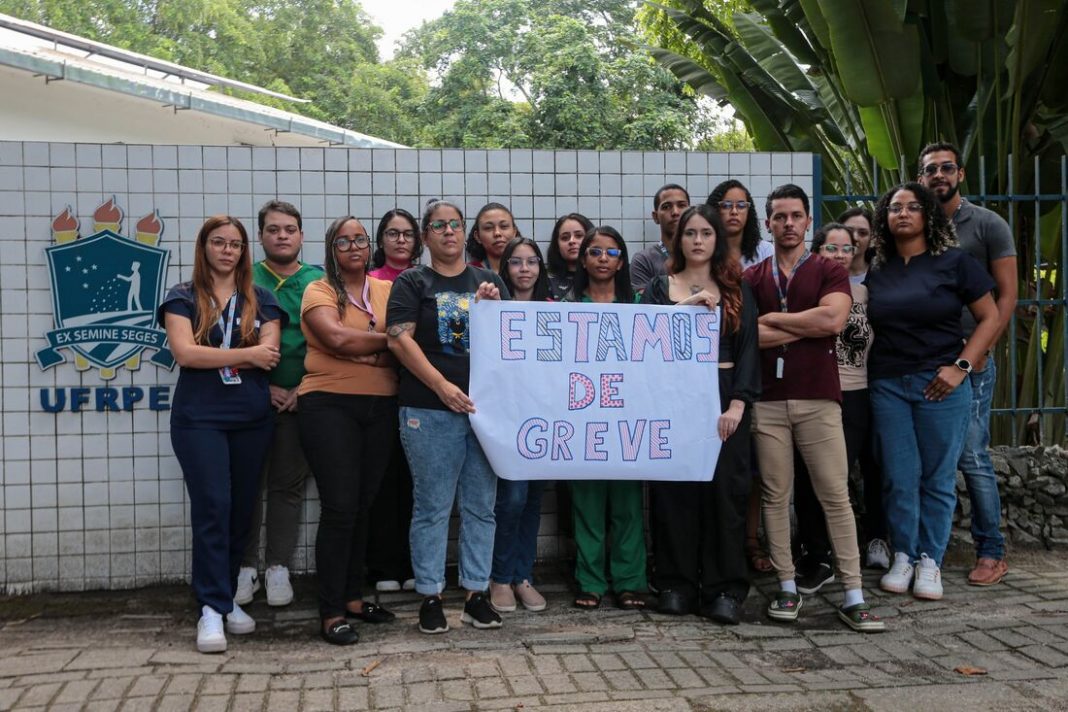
(986, 236)
(669, 203)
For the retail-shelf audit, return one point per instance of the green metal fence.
(1031, 392)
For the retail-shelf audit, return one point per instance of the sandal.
(587, 600)
(785, 606)
(630, 601)
(758, 556)
(861, 619)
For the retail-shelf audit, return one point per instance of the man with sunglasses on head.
(284, 470)
(669, 203)
(987, 237)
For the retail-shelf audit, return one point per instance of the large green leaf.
(884, 53)
(814, 14)
(1029, 39)
(786, 29)
(894, 130)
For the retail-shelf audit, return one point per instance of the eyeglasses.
(275, 229)
(218, 243)
(598, 251)
(344, 244)
(835, 249)
(896, 208)
(396, 235)
(949, 168)
(729, 205)
(520, 261)
(439, 226)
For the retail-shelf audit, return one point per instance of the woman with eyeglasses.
(741, 226)
(346, 410)
(836, 242)
(428, 330)
(607, 509)
(700, 526)
(918, 367)
(518, 509)
(225, 333)
(397, 244)
(568, 233)
(389, 562)
(494, 228)
(860, 219)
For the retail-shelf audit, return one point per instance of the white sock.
(788, 586)
(853, 596)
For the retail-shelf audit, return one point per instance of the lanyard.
(366, 306)
(775, 275)
(227, 327)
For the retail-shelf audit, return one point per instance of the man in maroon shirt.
(804, 301)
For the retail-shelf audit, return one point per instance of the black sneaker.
(432, 616)
(479, 613)
(814, 578)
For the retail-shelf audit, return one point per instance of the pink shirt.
(386, 272)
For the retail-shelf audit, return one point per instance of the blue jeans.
(518, 518)
(448, 463)
(979, 470)
(918, 442)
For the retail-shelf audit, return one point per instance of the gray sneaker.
(878, 555)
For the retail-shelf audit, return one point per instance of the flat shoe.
(725, 609)
(860, 618)
(340, 633)
(673, 603)
(372, 613)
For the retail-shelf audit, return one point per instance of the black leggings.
(348, 441)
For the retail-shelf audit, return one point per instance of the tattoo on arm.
(397, 330)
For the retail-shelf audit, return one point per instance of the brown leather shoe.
(988, 572)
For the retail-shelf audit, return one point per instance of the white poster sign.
(580, 391)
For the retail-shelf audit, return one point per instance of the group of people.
(868, 348)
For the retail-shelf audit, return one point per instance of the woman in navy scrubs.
(224, 332)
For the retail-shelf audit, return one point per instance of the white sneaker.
(247, 585)
(238, 622)
(928, 583)
(387, 586)
(878, 556)
(279, 590)
(408, 585)
(210, 635)
(898, 578)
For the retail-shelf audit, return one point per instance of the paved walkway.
(135, 651)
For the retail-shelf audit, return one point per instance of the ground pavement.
(135, 651)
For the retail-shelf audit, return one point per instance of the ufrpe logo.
(105, 291)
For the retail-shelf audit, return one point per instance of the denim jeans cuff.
(472, 585)
(431, 589)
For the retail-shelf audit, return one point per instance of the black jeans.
(348, 441)
(388, 554)
(699, 527)
(811, 524)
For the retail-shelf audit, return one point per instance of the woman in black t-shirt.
(568, 233)
(699, 527)
(918, 283)
(224, 332)
(428, 332)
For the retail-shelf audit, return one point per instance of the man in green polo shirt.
(285, 469)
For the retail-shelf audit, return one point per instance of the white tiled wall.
(96, 500)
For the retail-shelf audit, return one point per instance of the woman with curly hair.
(918, 283)
(700, 526)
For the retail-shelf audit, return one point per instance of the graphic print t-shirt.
(439, 306)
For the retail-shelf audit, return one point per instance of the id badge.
(780, 364)
(229, 376)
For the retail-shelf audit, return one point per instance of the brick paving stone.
(449, 672)
(174, 703)
(183, 685)
(8, 698)
(558, 684)
(1046, 655)
(388, 695)
(638, 660)
(577, 663)
(112, 688)
(727, 660)
(514, 665)
(505, 703)
(253, 683)
(138, 704)
(667, 659)
(46, 678)
(766, 689)
(524, 685)
(622, 680)
(589, 681)
(39, 695)
(249, 702)
(212, 703)
(35, 662)
(287, 682)
(746, 676)
(456, 690)
(219, 684)
(422, 693)
(483, 669)
(319, 680)
(102, 706)
(76, 691)
(654, 678)
(1037, 635)
(147, 686)
(685, 677)
(317, 700)
(121, 672)
(784, 644)
(835, 685)
(284, 701)
(111, 658)
(842, 654)
(574, 698)
(352, 698)
(870, 653)
(548, 665)
(607, 662)
(980, 640)
(1032, 674)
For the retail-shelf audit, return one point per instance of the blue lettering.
(61, 400)
(159, 398)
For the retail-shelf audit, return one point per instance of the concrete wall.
(95, 499)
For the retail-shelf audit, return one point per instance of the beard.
(949, 194)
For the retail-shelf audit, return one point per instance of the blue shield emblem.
(105, 291)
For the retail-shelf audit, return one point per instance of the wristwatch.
(963, 364)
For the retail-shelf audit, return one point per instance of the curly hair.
(938, 230)
(751, 231)
(726, 272)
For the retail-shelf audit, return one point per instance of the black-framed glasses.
(395, 235)
(598, 251)
(949, 168)
(344, 244)
(835, 249)
(520, 261)
(439, 226)
(730, 205)
(896, 208)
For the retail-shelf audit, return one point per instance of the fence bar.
(1040, 318)
(1061, 274)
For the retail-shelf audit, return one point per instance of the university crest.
(105, 291)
